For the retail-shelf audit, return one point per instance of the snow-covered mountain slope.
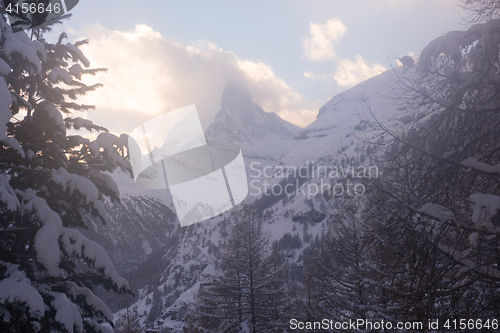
(342, 120)
(209, 107)
(261, 135)
(142, 222)
(185, 262)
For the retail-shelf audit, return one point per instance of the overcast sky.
(291, 55)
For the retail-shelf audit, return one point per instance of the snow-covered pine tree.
(247, 296)
(48, 181)
(436, 207)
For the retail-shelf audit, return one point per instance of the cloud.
(320, 46)
(350, 72)
(149, 75)
(320, 77)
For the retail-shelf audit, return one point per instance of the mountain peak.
(243, 121)
(233, 89)
(341, 121)
(236, 118)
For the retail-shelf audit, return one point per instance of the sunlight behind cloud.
(149, 75)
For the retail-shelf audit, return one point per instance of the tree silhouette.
(247, 294)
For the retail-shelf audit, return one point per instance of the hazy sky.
(291, 55)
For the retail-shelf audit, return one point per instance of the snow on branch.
(17, 288)
(5, 116)
(19, 44)
(458, 257)
(48, 110)
(76, 243)
(5, 101)
(87, 188)
(46, 238)
(47, 241)
(20, 101)
(107, 142)
(60, 74)
(4, 68)
(76, 70)
(74, 291)
(67, 313)
(454, 42)
(13, 143)
(75, 182)
(437, 211)
(485, 207)
(98, 327)
(472, 162)
(78, 123)
(78, 140)
(106, 181)
(7, 195)
(100, 210)
(468, 264)
(449, 44)
(65, 106)
(77, 55)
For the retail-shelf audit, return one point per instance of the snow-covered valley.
(180, 259)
